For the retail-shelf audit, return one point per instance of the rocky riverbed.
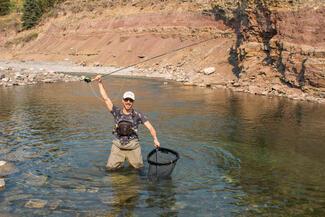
(15, 76)
(31, 72)
(210, 77)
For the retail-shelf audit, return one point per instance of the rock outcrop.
(280, 45)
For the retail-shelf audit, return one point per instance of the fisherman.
(125, 145)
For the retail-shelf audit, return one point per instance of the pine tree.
(45, 5)
(31, 13)
(4, 7)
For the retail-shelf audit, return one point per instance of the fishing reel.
(87, 79)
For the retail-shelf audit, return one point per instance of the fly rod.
(88, 79)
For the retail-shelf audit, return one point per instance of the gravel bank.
(33, 72)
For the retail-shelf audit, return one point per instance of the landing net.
(162, 162)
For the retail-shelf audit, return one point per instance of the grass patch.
(22, 39)
(10, 22)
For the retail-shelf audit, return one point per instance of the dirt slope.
(263, 47)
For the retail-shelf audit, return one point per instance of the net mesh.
(162, 162)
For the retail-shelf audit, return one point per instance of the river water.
(241, 155)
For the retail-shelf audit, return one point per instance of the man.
(126, 143)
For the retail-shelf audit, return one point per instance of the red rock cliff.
(280, 45)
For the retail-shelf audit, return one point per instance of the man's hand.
(98, 78)
(157, 144)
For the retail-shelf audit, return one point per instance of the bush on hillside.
(34, 9)
(45, 5)
(31, 13)
(4, 7)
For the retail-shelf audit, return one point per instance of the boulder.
(188, 83)
(6, 79)
(236, 84)
(208, 70)
(97, 64)
(18, 76)
(83, 63)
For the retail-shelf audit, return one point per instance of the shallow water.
(241, 155)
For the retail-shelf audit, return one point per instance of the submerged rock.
(80, 189)
(21, 154)
(93, 190)
(35, 180)
(3, 214)
(7, 168)
(14, 196)
(2, 183)
(2, 163)
(36, 203)
(54, 204)
(107, 199)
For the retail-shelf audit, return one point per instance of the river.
(241, 155)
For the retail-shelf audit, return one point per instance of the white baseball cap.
(129, 94)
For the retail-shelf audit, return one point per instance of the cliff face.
(280, 45)
(268, 47)
(121, 33)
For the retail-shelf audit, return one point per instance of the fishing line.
(88, 80)
(94, 93)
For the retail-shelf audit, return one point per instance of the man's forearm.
(153, 133)
(103, 93)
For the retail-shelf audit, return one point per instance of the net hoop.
(162, 149)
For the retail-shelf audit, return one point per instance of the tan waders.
(130, 152)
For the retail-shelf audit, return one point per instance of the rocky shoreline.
(20, 78)
(252, 85)
(18, 73)
(10, 76)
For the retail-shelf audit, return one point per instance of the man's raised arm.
(103, 93)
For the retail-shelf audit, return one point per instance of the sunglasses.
(128, 99)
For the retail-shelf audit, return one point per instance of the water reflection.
(277, 149)
(126, 193)
(162, 194)
(241, 155)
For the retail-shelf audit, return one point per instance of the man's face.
(127, 103)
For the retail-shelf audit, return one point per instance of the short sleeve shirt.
(135, 117)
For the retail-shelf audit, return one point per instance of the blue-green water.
(241, 155)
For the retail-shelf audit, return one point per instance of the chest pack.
(126, 125)
(124, 128)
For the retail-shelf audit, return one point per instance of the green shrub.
(31, 13)
(4, 7)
